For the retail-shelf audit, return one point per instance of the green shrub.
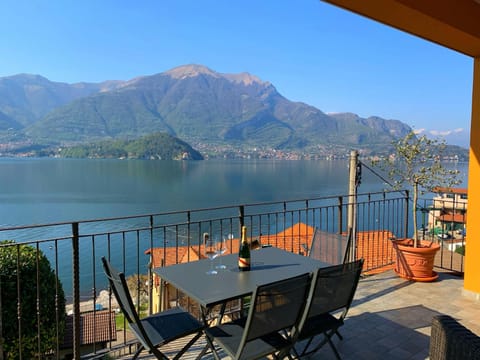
(460, 250)
(19, 289)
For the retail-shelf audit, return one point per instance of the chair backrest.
(328, 247)
(333, 288)
(119, 286)
(276, 306)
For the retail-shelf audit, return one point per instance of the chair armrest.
(450, 340)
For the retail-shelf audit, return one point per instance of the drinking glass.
(221, 245)
(210, 252)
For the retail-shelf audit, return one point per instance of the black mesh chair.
(450, 340)
(329, 248)
(274, 307)
(157, 329)
(329, 300)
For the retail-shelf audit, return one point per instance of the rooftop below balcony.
(390, 318)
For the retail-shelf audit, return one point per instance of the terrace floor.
(390, 318)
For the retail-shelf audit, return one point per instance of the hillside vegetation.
(159, 146)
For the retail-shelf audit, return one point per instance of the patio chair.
(273, 308)
(329, 300)
(155, 330)
(329, 247)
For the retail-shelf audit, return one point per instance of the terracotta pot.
(415, 263)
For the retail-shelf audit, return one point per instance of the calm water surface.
(41, 191)
(35, 191)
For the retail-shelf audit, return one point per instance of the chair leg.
(211, 345)
(296, 355)
(327, 339)
(307, 345)
(282, 355)
(337, 355)
(187, 346)
(140, 348)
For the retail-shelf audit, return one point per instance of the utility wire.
(375, 173)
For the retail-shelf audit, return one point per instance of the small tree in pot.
(417, 162)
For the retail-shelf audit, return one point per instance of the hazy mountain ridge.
(26, 98)
(191, 102)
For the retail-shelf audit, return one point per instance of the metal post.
(162, 293)
(149, 285)
(407, 213)
(352, 202)
(150, 267)
(76, 290)
(340, 214)
(1, 321)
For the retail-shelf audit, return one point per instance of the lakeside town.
(27, 148)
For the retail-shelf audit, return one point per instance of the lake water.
(41, 191)
(35, 191)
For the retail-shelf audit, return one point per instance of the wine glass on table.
(210, 251)
(221, 245)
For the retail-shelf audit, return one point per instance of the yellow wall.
(472, 254)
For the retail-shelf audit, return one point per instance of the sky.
(310, 51)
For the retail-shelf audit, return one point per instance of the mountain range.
(193, 103)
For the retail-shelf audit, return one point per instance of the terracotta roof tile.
(440, 189)
(374, 246)
(449, 217)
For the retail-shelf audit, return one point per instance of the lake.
(37, 191)
(42, 191)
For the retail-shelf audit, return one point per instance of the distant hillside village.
(199, 151)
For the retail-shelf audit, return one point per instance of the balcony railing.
(86, 326)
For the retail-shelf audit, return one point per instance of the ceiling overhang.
(454, 24)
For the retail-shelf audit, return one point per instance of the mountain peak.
(244, 78)
(192, 70)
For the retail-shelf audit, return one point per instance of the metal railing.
(443, 220)
(74, 249)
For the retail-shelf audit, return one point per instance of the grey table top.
(268, 265)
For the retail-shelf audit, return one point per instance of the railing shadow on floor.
(389, 334)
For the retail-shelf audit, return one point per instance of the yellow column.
(472, 251)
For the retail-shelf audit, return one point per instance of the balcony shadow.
(402, 333)
(369, 282)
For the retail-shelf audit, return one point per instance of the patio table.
(268, 265)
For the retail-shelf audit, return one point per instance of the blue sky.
(309, 50)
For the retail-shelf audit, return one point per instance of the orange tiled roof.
(374, 246)
(376, 249)
(439, 189)
(290, 239)
(449, 217)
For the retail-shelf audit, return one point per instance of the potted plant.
(417, 162)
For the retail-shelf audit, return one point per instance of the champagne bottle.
(244, 253)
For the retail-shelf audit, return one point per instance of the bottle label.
(243, 263)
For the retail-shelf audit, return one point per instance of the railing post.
(407, 212)
(76, 290)
(150, 266)
(1, 321)
(340, 214)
